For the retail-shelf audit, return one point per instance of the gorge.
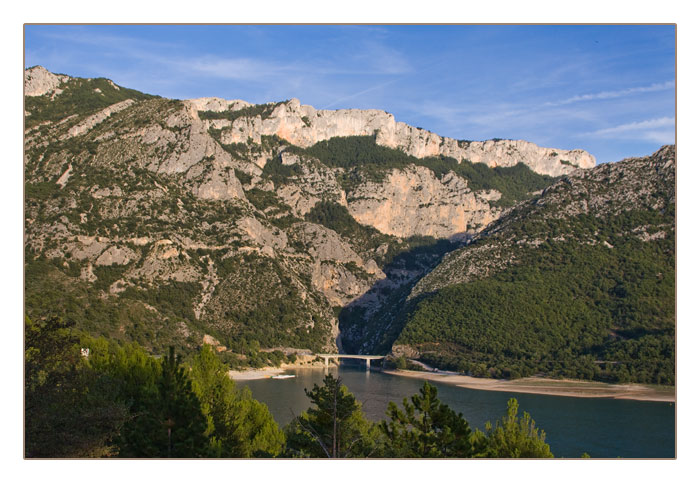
(278, 228)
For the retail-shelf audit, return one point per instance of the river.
(603, 428)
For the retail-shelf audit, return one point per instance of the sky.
(609, 90)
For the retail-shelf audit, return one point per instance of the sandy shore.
(254, 374)
(552, 387)
(266, 372)
(530, 385)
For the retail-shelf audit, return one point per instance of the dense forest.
(88, 397)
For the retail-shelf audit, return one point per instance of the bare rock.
(115, 255)
(39, 81)
(413, 201)
(95, 119)
(258, 233)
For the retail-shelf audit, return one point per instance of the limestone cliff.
(304, 126)
(414, 202)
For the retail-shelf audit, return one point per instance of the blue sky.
(607, 89)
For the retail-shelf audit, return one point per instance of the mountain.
(577, 282)
(168, 222)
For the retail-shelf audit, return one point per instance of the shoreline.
(548, 387)
(527, 385)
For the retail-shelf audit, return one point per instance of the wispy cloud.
(384, 59)
(373, 57)
(360, 93)
(659, 130)
(636, 126)
(78, 35)
(233, 68)
(615, 94)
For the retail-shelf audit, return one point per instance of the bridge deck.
(366, 358)
(352, 356)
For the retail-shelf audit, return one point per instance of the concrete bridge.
(367, 358)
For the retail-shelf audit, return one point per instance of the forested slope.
(579, 282)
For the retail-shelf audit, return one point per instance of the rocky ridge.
(302, 125)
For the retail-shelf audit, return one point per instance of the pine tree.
(515, 437)
(333, 428)
(168, 419)
(238, 426)
(427, 428)
(71, 411)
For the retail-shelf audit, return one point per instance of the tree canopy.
(334, 427)
(427, 428)
(515, 437)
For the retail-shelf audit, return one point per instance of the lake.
(603, 428)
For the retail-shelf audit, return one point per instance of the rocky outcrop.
(115, 255)
(219, 184)
(39, 81)
(165, 261)
(270, 240)
(314, 183)
(506, 152)
(338, 271)
(95, 119)
(215, 104)
(414, 202)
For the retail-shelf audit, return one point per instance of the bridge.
(367, 358)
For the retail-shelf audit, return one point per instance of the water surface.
(601, 427)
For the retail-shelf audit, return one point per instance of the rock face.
(427, 206)
(553, 162)
(338, 272)
(304, 126)
(313, 183)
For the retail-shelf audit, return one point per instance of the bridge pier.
(367, 362)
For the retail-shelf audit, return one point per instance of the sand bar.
(551, 387)
(254, 374)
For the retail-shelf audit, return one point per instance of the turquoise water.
(603, 428)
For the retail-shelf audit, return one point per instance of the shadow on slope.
(372, 322)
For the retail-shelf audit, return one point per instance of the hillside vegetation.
(362, 158)
(78, 97)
